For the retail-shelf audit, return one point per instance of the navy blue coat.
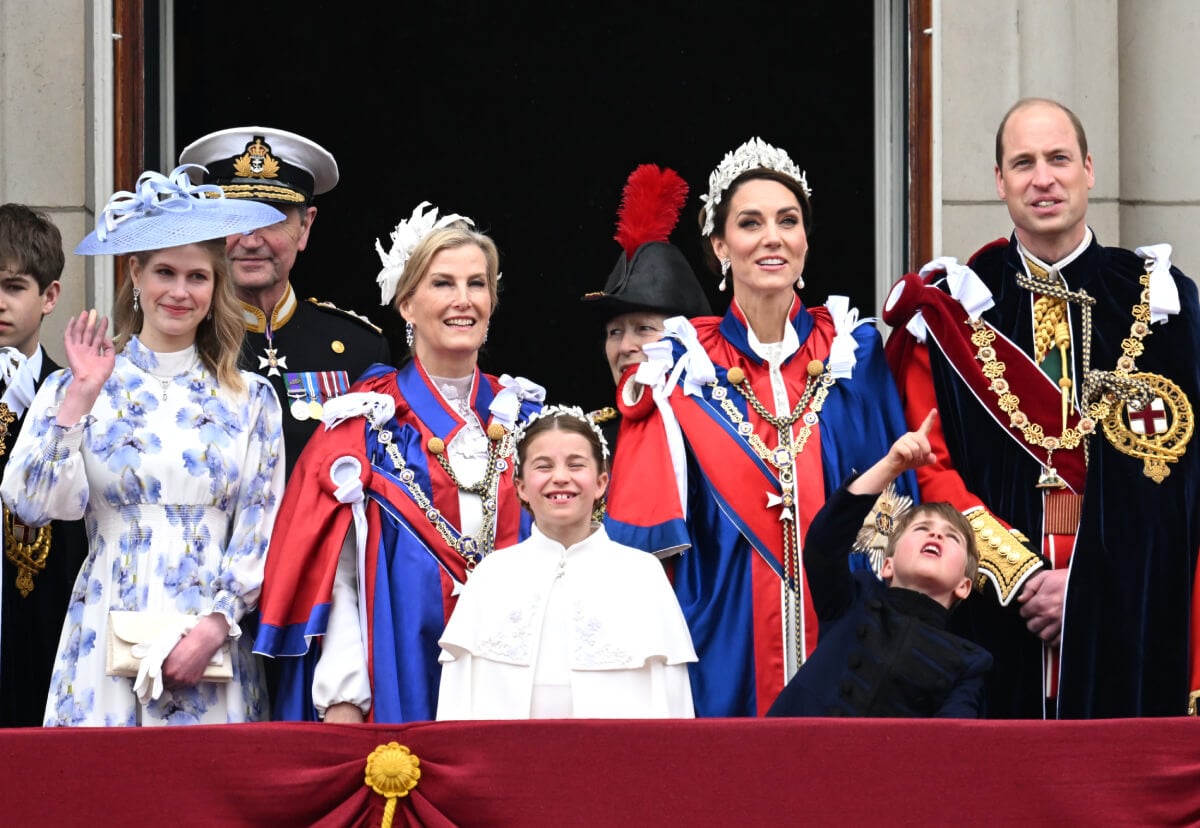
(882, 651)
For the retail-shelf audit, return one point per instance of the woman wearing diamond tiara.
(566, 624)
(173, 458)
(407, 489)
(749, 422)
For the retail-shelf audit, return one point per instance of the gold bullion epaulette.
(349, 314)
(1004, 558)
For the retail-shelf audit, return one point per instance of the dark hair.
(947, 512)
(31, 243)
(721, 211)
(1024, 103)
(560, 422)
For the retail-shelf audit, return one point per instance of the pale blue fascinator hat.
(168, 211)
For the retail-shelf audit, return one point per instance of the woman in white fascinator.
(409, 486)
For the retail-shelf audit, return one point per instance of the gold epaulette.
(1195, 694)
(603, 415)
(1004, 558)
(347, 313)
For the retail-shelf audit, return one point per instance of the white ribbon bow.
(15, 371)
(174, 193)
(506, 405)
(376, 407)
(694, 361)
(654, 371)
(346, 475)
(653, 374)
(965, 286)
(841, 352)
(1164, 293)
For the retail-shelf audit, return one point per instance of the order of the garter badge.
(1156, 432)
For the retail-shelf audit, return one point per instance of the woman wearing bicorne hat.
(740, 426)
(652, 280)
(407, 488)
(173, 458)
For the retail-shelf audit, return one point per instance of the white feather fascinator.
(405, 238)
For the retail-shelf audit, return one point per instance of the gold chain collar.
(472, 548)
(782, 458)
(1102, 390)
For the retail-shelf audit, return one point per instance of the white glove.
(149, 683)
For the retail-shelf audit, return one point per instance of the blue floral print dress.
(178, 482)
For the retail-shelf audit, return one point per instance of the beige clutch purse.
(126, 629)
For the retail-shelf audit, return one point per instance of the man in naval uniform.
(1064, 373)
(40, 562)
(310, 351)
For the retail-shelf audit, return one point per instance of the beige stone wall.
(43, 130)
(1159, 54)
(1129, 68)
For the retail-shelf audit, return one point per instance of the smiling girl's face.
(561, 480)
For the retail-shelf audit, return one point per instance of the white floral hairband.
(559, 410)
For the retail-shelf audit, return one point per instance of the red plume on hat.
(651, 274)
(650, 206)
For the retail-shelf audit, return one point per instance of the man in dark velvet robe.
(1065, 373)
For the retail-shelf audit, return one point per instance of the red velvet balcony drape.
(727, 772)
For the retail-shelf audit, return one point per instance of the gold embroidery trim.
(1004, 560)
(261, 191)
(28, 556)
(7, 418)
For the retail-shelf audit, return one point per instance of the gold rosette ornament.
(392, 771)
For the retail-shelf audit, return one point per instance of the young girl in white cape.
(566, 624)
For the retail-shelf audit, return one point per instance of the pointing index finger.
(927, 426)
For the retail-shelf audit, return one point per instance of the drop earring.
(408, 334)
(137, 294)
(799, 282)
(725, 265)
